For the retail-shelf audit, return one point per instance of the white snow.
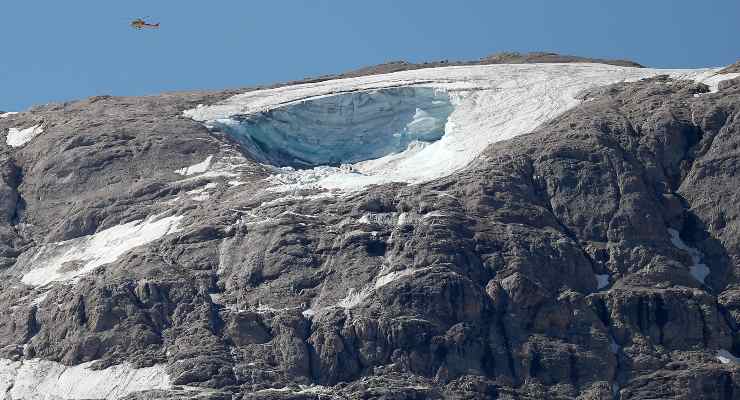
(201, 194)
(725, 357)
(18, 137)
(292, 198)
(491, 103)
(47, 380)
(602, 281)
(713, 80)
(396, 275)
(7, 114)
(198, 168)
(223, 166)
(698, 270)
(376, 219)
(354, 297)
(71, 259)
(308, 313)
(216, 298)
(39, 299)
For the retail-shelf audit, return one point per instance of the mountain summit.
(522, 227)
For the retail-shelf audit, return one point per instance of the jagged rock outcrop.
(570, 262)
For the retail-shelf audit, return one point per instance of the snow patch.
(407, 219)
(216, 298)
(268, 309)
(396, 275)
(7, 114)
(376, 219)
(602, 281)
(713, 80)
(725, 357)
(698, 270)
(222, 167)
(42, 379)
(18, 137)
(490, 103)
(293, 199)
(198, 168)
(201, 194)
(354, 298)
(39, 299)
(71, 259)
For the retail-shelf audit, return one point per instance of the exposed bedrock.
(545, 270)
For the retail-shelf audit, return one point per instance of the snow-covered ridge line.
(42, 379)
(491, 103)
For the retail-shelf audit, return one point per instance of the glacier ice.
(346, 128)
(296, 125)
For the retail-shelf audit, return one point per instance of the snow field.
(490, 103)
(42, 379)
(71, 259)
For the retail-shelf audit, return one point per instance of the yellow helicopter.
(140, 23)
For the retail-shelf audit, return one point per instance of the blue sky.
(62, 50)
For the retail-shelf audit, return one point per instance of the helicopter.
(140, 23)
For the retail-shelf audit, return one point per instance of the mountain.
(520, 227)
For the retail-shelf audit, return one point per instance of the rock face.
(597, 257)
(734, 68)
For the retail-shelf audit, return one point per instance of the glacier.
(446, 117)
(347, 128)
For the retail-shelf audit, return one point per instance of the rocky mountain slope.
(545, 231)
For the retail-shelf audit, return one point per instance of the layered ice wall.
(368, 121)
(346, 128)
